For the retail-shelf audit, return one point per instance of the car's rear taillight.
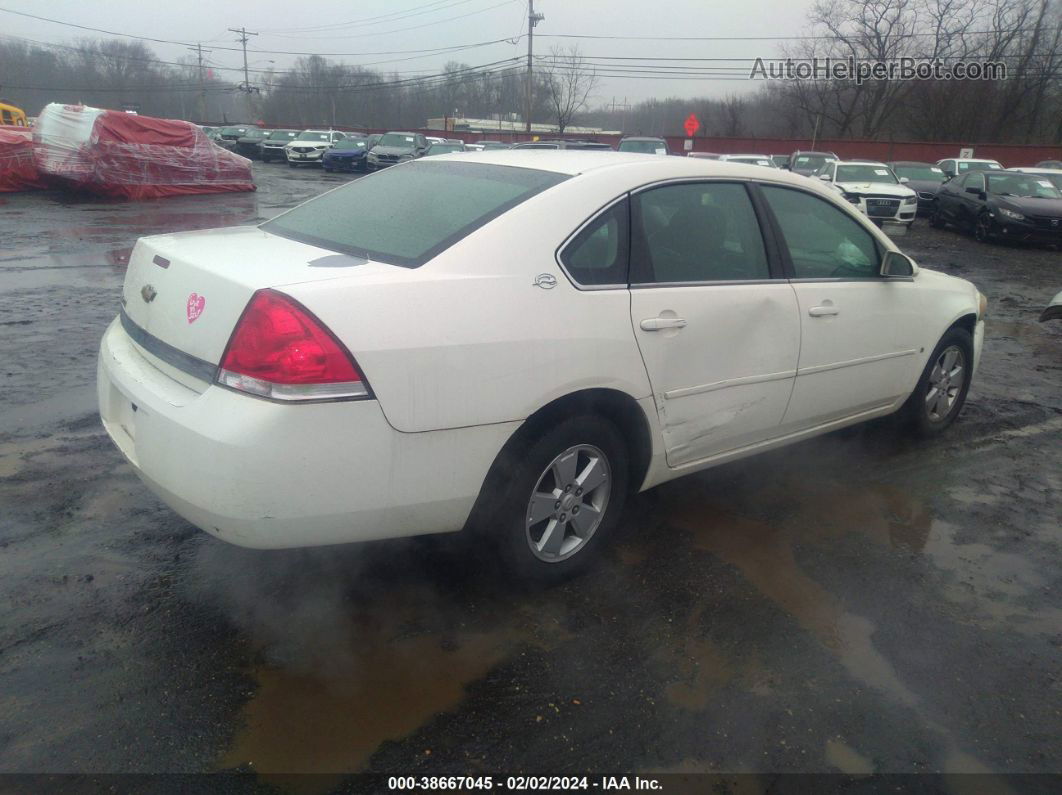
(279, 350)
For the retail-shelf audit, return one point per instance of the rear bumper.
(262, 474)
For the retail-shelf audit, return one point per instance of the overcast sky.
(373, 33)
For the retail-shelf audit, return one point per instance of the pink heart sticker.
(196, 303)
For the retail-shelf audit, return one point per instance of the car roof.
(969, 159)
(909, 163)
(574, 162)
(762, 157)
(858, 163)
(1035, 170)
(641, 138)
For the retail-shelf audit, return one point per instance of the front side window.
(696, 232)
(823, 241)
(395, 216)
(598, 254)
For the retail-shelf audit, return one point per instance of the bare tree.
(569, 80)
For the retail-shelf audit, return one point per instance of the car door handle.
(823, 311)
(661, 323)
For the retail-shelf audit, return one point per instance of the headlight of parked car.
(852, 197)
(911, 200)
(1011, 214)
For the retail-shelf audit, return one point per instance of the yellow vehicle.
(9, 114)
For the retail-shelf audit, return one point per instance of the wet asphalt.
(857, 603)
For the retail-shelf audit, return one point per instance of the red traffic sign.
(692, 125)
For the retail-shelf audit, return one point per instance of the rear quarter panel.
(468, 339)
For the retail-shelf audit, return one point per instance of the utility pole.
(198, 50)
(243, 40)
(532, 20)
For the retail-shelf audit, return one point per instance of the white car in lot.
(874, 189)
(567, 328)
(752, 160)
(309, 146)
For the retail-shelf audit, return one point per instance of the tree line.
(1026, 107)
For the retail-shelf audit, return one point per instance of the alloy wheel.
(946, 381)
(568, 503)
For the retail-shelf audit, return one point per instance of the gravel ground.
(859, 603)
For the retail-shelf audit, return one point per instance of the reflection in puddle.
(846, 759)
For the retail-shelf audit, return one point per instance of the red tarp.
(18, 171)
(112, 153)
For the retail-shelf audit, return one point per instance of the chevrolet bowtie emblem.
(147, 292)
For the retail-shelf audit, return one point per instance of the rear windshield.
(408, 214)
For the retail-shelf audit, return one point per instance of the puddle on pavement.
(1042, 338)
(846, 759)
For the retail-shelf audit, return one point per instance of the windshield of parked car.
(233, 130)
(370, 217)
(979, 165)
(867, 173)
(645, 147)
(397, 141)
(753, 161)
(494, 145)
(1026, 185)
(351, 143)
(256, 133)
(445, 149)
(282, 135)
(306, 135)
(926, 173)
(1054, 179)
(809, 162)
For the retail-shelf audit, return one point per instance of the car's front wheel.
(941, 391)
(564, 496)
(983, 230)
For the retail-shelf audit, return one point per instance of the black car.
(228, 136)
(807, 163)
(272, 147)
(250, 144)
(1049, 164)
(782, 161)
(1003, 205)
(924, 179)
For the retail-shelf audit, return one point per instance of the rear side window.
(696, 232)
(823, 241)
(408, 214)
(598, 254)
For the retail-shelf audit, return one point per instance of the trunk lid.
(189, 289)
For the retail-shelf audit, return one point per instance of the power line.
(441, 5)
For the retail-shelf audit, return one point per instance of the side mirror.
(896, 264)
(904, 180)
(824, 177)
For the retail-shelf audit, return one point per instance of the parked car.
(648, 146)
(807, 163)
(873, 188)
(960, 165)
(704, 155)
(397, 147)
(752, 160)
(1052, 174)
(924, 179)
(434, 139)
(350, 154)
(228, 136)
(445, 148)
(249, 144)
(307, 412)
(1050, 164)
(1001, 205)
(309, 146)
(780, 161)
(560, 144)
(493, 146)
(1053, 311)
(374, 139)
(272, 148)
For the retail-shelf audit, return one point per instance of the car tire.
(936, 220)
(938, 399)
(538, 547)
(983, 228)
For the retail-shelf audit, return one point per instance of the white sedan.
(874, 188)
(566, 328)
